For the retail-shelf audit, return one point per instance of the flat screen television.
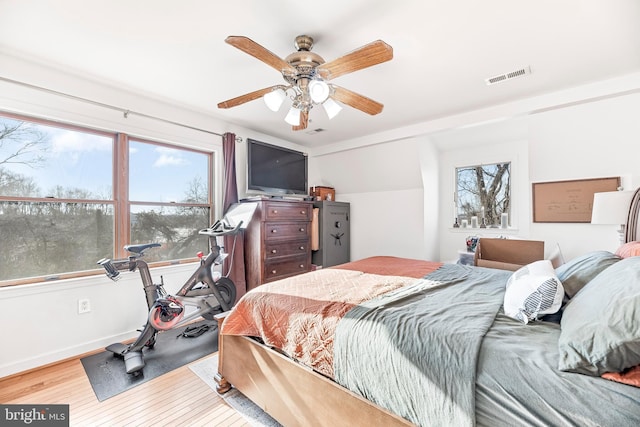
(275, 171)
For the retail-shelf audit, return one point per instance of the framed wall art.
(568, 201)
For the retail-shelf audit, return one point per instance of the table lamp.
(612, 207)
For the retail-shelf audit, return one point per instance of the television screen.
(275, 170)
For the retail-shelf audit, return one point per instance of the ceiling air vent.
(508, 76)
(314, 131)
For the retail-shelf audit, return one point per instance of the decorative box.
(322, 193)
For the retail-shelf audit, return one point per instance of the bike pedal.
(118, 348)
(133, 362)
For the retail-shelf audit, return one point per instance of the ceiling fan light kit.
(293, 116)
(331, 107)
(307, 75)
(274, 99)
(319, 91)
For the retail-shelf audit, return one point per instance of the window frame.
(456, 196)
(123, 207)
(120, 194)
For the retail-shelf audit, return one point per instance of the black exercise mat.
(107, 373)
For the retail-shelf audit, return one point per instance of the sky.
(82, 160)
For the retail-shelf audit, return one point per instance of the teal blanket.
(413, 351)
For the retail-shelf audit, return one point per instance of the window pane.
(162, 174)
(39, 160)
(483, 191)
(176, 228)
(42, 239)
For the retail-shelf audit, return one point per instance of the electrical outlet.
(84, 306)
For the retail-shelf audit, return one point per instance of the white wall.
(42, 322)
(586, 132)
(504, 141)
(399, 183)
(595, 139)
(383, 183)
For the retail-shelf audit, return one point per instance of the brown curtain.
(235, 260)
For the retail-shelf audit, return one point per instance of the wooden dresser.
(277, 241)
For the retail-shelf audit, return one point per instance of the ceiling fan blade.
(356, 101)
(247, 45)
(304, 121)
(373, 53)
(234, 102)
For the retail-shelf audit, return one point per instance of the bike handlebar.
(110, 270)
(220, 228)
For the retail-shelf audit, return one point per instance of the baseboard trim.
(53, 358)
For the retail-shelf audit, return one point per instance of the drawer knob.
(273, 251)
(302, 248)
(274, 231)
(301, 265)
(273, 272)
(301, 229)
(303, 212)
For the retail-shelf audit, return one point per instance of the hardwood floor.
(178, 398)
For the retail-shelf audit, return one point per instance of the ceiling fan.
(307, 76)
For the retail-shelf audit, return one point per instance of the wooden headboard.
(633, 217)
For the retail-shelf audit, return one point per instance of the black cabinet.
(334, 234)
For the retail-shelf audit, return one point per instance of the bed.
(394, 341)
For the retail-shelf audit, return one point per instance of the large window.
(70, 196)
(483, 191)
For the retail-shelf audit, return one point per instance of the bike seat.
(138, 249)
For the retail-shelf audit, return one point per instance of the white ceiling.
(443, 51)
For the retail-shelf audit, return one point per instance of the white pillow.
(533, 291)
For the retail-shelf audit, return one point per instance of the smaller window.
(159, 173)
(169, 199)
(483, 191)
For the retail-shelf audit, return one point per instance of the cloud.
(168, 160)
(66, 141)
(169, 157)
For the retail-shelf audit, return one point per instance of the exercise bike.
(209, 294)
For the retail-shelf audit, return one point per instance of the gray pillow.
(600, 326)
(579, 271)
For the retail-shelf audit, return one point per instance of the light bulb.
(293, 117)
(331, 107)
(274, 99)
(318, 90)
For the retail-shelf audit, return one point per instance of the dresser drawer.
(288, 248)
(275, 270)
(283, 211)
(285, 230)
(277, 241)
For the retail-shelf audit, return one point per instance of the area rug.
(207, 368)
(107, 373)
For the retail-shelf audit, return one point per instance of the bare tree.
(13, 184)
(196, 191)
(484, 187)
(22, 143)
